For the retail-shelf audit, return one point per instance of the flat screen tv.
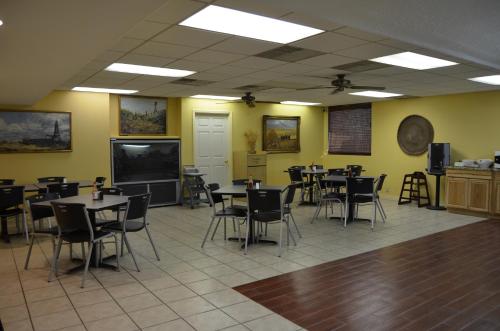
(139, 161)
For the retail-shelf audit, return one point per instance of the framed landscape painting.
(34, 131)
(143, 116)
(281, 134)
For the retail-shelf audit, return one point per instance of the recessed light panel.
(147, 70)
(299, 103)
(1, 22)
(214, 97)
(492, 80)
(413, 61)
(376, 94)
(239, 23)
(103, 90)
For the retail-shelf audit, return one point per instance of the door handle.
(226, 161)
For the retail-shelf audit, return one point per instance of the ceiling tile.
(146, 82)
(398, 44)
(459, 68)
(164, 50)
(313, 22)
(294, 68)
(110, 56)
(191, 65)
(257, 63)
(210, 76)
(214, 57)
(145, 30)
(389, 71)
(475, 73)
(368, 51)
(328, 60)
(254, 7)
(329, 42)
(181, 35)
(240, 45)
(175, 11)
(356, 33)
(162, 90)
(266, 74)
(118, 76)
(231, 70)
(326, 72)
(146, 60)
(238, 81)
(126, 44)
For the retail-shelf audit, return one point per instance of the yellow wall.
(469, 122)
(90, 155)
(244, 118)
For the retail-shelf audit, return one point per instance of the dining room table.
(238, 190)
(93, 206)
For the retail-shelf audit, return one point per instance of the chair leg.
(346, 214)
(55, 257)
(71, 251)
(152, 243)
(246, 235)
(239, 230)
(225, 232)
(290, 231)
(281, 239)
(116, 250)
(87, 262)
(122, 244)
(295, 224)
(234, 226)
(83, 251)
(208, 231)
(29, 252)
(316, 213)
(129, 248)
(25, 225)
(216, 227)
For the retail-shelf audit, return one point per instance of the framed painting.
(34, 131)
(281, 134)
(142, 116)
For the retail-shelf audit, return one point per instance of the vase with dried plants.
(251, 137)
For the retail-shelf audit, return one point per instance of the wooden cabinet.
(472, 191)
(245, 165)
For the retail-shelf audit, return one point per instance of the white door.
(211, 147)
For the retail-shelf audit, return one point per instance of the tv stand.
(437, 196)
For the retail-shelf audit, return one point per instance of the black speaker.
(438, 157)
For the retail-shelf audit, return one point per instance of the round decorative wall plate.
(415, 133)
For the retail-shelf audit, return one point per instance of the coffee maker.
(497, 160)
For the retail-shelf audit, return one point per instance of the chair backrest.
(295, 175)
(322, 184)
(99, 182)
(263, 201)
(337, 172)
(72, 217)
(111, 191)
(11, 196)
(216, 198)
(380, 182)
(244, 181)
(360, 185)
(39, 212)
(64, 189)
(355, 169)
(137, 206)
(290, 194)
(51, 179)
(7, 181)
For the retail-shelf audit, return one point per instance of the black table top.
(93, 205)
(242, 189)
(81, 183)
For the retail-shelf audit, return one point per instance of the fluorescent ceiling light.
(103, 90)
(214, 97)
(492, 80)
(1, 22)
(235, 22)
(299, 103)
(147, 70)
(376, 94)
(413, 61)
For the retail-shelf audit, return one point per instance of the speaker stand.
(438, 191)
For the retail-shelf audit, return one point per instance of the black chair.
(99, 182)
(134, 220)
(241, 181)
(379, 183)
(287, 210)
(236, 214)
(51, 179)
(38, 215)
(102, 216)
(296, 177)
(11, 205)
(355, 169)
(327, 197)
(74, 226)
(7, 181)
(266, 206)
(361, 190)
(337, 172)
(63, 189)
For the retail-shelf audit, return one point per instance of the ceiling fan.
(342, 83)
(248, 99)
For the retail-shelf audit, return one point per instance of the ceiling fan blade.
(336, 91)
(315, 88)
(251, 105)
(359, 87)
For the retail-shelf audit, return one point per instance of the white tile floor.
(190, 288)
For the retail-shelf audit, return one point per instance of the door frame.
(229, 116)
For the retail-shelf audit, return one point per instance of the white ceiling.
(59, 45)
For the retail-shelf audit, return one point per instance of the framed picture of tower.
(143, 116)
(34, 131)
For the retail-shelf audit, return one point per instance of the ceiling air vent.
(361, 66)
(192, 82)
(289, 53)
(252, 88)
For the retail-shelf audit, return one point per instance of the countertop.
(471, 168)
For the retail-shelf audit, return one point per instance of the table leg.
(5, 231)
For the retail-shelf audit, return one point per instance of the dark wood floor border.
(445, 281)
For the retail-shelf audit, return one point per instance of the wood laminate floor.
(445, 281)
